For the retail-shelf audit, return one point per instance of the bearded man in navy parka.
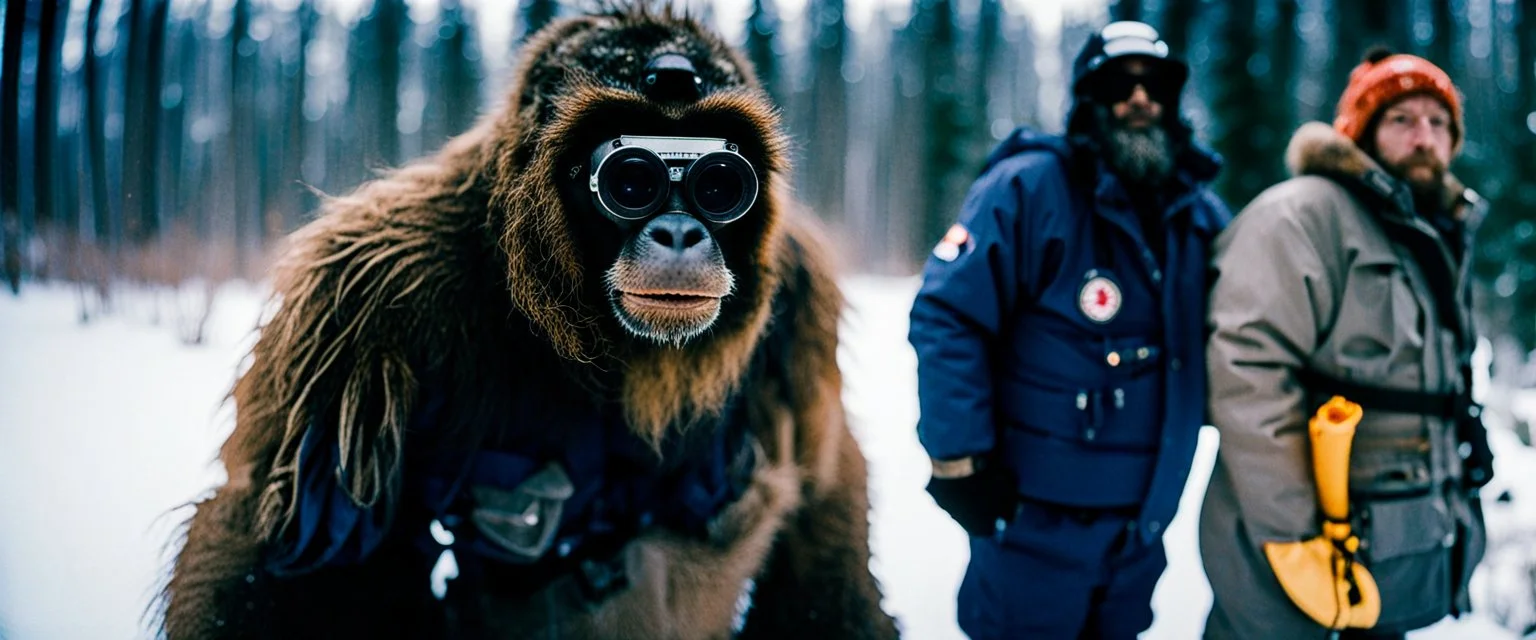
(1060, 334)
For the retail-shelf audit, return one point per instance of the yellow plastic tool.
(1333, 434)
(1321, 575)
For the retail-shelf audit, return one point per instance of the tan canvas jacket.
(1308, 278)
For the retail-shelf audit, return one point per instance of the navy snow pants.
(1061, 573)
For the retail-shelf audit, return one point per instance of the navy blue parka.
(1052, 340)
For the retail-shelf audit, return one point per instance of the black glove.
(1477, 464)
(976, 501)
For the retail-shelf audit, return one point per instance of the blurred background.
(153, 153)
(165, 140)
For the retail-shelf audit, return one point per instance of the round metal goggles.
(632, 178)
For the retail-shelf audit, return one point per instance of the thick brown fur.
(438, 269)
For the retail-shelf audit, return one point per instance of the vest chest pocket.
(522, 522)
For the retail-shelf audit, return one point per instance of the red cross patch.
(1099, 299)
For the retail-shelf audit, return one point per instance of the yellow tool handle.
(1333, 432)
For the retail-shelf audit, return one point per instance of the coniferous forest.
(173, 142)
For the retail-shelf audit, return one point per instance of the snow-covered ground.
(107, 428)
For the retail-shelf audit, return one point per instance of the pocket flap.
(1404, 527)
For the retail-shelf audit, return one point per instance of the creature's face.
(668, 197)
(666, 157)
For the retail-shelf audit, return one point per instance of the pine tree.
(826, 110)
(458, 73)
(532, 16)
(1506, 242)
(141, 137)
(96, 71)
(10, 143)
(1360, 25)
(240, 164)
(944, 176)
(762, 46)
(374, 84)
(1125, 10)
(50, 37)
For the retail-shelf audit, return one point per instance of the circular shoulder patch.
(1099, 299)
(953, 243)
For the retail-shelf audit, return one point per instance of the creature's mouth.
(670, 317)
(667, 301)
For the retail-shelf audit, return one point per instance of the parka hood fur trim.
(1318, 149)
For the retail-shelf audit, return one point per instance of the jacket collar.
(1317, 149)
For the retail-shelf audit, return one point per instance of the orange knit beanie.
(1384, 78)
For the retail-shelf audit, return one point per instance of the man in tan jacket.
(1349, 279)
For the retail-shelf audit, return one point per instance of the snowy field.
(107, 428)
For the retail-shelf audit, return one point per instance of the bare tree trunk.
(1281, 108)
(45, 122)
(1520, 200)
(1442, 43)
(10, 142)
(240, 144)
(826, 111)
(373, 68)
(1177, 18)
(96, 135)
(1125, 10)
(141, 136)
(180, 81)
(1237, 90)
(461, 75)
(533, 15)
(762, 32)
(943, 174)
(291, 196)
(1360, 25)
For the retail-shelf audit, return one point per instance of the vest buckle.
(523, 521)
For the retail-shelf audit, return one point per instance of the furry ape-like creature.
(613, 399)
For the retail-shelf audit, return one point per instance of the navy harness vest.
(561, 489)
(1086, 422)
(1086, 403)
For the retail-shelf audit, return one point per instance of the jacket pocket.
(1064, 414)
(1383, 473)
(1406, 547)
(1379, 331)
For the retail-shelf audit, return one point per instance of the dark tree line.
(164, 141)
(1261, 67)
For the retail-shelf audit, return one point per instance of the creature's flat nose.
(676, 233)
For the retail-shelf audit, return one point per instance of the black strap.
(1371, 397)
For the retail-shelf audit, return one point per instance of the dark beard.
(1142, 157)
(1428, 198)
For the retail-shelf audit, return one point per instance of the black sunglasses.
(1112, 86)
